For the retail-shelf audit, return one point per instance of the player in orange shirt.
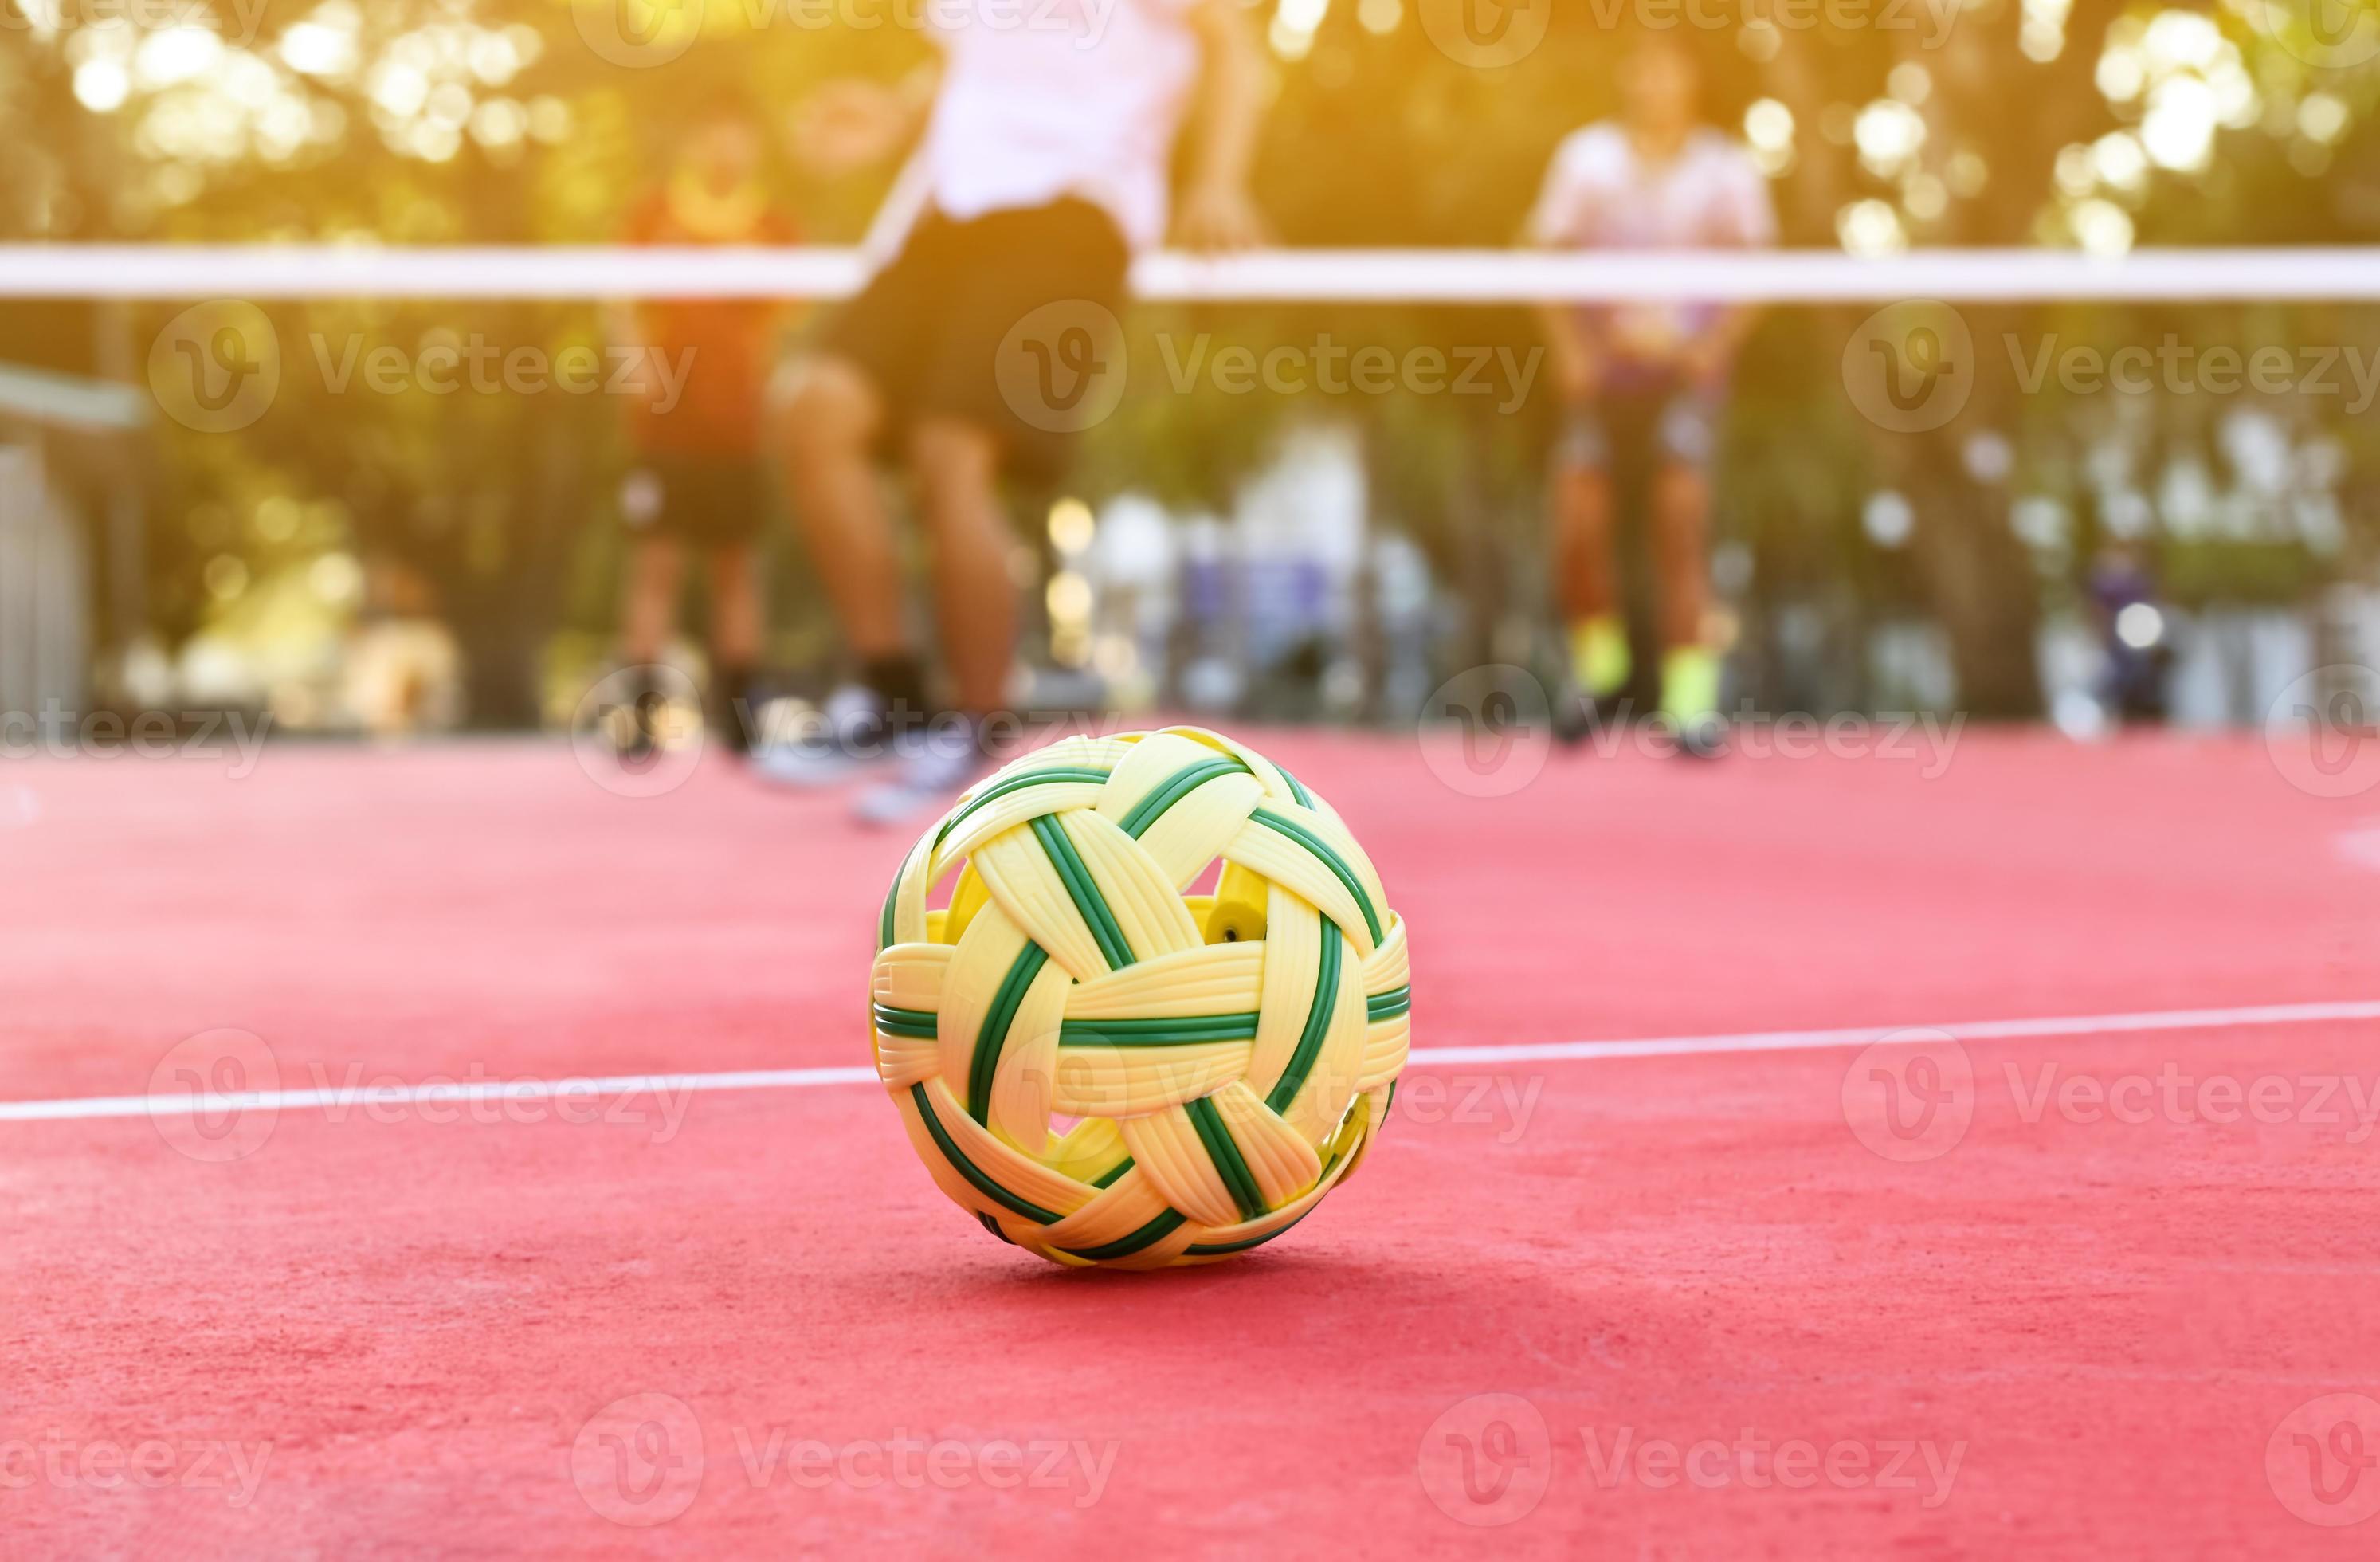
(698, 480)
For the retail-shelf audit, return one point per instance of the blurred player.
(702, 373)
(1047, 138)
(1645, 384)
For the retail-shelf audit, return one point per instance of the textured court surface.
(383, 1333)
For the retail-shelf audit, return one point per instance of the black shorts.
(1007, 322)
(711, 501)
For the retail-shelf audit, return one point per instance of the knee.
(1684, 493)
(954, 459)
(828, 404)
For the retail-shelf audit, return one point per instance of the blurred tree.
(2097, 123)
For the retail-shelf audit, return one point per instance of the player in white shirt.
(1646, 381)
(1047, 133)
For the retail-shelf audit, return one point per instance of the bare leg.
(830, 427)
(975, 604)
(736, 616)
(1681, 525)
(1586, 578)
(1690, 668)
(1583, 566)
(649, 616)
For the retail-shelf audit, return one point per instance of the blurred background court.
(1246, 550)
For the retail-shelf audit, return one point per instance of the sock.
(1598, 654)
(900, 683)
(735, 712)
(1690, 682)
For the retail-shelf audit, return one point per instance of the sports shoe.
(1690, 680)
(852, 733)
(936, 767)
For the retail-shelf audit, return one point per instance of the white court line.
(1534, 1052)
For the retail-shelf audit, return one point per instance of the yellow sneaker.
(1600, 659)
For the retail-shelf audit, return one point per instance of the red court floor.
(2115, 1298)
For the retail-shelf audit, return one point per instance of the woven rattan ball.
(1105, 1068)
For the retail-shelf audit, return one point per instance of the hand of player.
(849, 125)
(1218, 217)
(1577, 375)
(1704, 360)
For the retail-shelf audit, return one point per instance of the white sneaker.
(945, 761)
(828, 746)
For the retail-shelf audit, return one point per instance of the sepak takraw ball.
(1219, 1062)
